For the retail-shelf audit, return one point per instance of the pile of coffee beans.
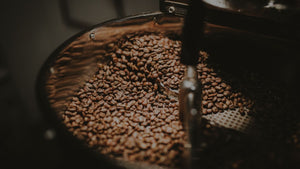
(121, 111)
(219, 95)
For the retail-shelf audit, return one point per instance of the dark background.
(30, 31)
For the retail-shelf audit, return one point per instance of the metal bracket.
(178, 7)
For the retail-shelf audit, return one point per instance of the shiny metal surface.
(190, 101)
(254, 6)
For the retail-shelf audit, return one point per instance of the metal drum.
(232, 50)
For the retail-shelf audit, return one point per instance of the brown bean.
(214, 84)
(218, 80)
(209, 105)
(215, 109)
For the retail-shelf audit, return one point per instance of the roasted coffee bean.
(226, 93)
(209, 105)
(214, 84)
(219, 105)
(218, 80)
(215, 109)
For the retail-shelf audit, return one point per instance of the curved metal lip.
(251, 5)
(267, 9)
(51, 116)
(261, 17)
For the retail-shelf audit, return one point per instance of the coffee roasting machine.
(248, 39)
(250, 17)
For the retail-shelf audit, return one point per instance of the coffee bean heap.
(218, 95)
(126, 117)
(158, 57)
(122, 112)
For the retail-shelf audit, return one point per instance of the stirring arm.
(190, 89)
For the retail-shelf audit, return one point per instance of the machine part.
(190, 99)
(232, 119)
(192, 33)
(270, 18)
(174, 7)
(190, 96)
